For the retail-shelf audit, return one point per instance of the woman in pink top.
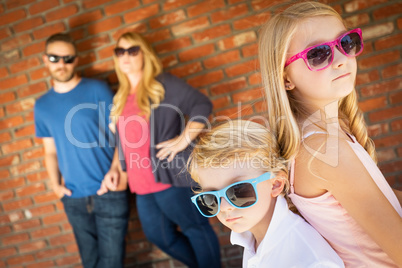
(308, 66)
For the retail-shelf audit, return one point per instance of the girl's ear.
(288, 83)
(278, 183)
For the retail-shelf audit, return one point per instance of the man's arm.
(115, 179)
(52, 167)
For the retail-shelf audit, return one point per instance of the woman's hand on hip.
(168, 149)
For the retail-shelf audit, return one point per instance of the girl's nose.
(340, 59)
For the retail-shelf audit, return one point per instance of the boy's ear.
(278, 183)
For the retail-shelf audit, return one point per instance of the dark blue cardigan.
(182, 103)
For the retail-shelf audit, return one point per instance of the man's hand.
(110, 182)
(61, 191)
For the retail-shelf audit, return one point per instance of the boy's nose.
(225, 205)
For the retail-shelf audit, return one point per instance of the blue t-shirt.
(78, 121)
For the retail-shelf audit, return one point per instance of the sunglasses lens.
(118, 51)
(133, 51)
(53, 58)
(242, 195)
(352, 44)
(69, 59)
(208, 204)
(319, 57)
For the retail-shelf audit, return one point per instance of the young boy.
(243, 182)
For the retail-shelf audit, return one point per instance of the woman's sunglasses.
(241, 194)
(321, 56)
(67, 59)
(132, 51)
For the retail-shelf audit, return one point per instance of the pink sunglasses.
(321, 56)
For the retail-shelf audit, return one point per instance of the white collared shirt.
(289, 242)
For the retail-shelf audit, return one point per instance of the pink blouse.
(332, 221)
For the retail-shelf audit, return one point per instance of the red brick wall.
(212, 45)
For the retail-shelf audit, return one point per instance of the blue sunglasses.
(242, 194)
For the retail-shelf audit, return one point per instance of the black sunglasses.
(67, 59)
(132, 51)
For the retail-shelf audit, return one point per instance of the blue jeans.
(196, 244)
(100, 225)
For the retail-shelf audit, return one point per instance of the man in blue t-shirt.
(72, 118)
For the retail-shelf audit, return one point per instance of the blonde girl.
(244, 182)
(308, 66)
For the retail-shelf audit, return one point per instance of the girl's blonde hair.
(238, 141)
(149, 89)
(283, 109)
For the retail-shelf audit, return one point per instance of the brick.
(399, 23)
(254, 79)
(99, 68)
(197, 52)
(262, 4)
(386, 155)
(104, 25)
(31, 89)
(250, 50)
(167, 19)
(68, 261)
(16, 146)
(29, 224)
(396, 98)
(32, 246)
(5, 33)
(157, 36)
(373, 104)
(387, 42)
(396, 125)
(48, 30)
(378, 60)
(16, 42)
(229, 86)
(190, 26)
(85, 18)
(12, 16)
(356, 5)
(385, 114)
(34, 48)
(43, 264)
(40, 176)
(25, 131)
(45, 197)
(141, 14)
(367, 77)
(30, 190)
(187, 69)
(173, 4)
(9, 160)
(377, 30)
(19, 204)
(169, 61)
(10, 56)
(88, 57)
(237, 40)
(381, 87)
(121, 6)
(229, 14)
(212, 33)
(28, 24)
(252, 21)
(390, 167)
(11, 122)
(40, 7)
(237, 112)
(391, 71)
(220, 102)
(13, 81)
(8, 195)
(29, 117)
(50, 253)
(61, 13)
(93, 42)
(24, 65)
(34, 153)
(387, 11)
(204, 7)
(42, 210)
(248, 95)
(23, 105)
(39, 73)
(222, 59)
(6, 252)
(388, 141)
(61, 239)
(25, 168)
(18, 3)
(138, 27)
(7, 97)
(242, 68)
(206, 79)
(20, 260)
(4, 174)
(11, 183)
(357, 20)
(173, 45)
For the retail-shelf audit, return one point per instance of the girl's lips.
(341, 76)
(232, 219)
